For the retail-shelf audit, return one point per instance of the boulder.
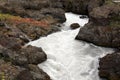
(94, 4)
(81, 6)
(9, 71)
(25, 75)
(34, 9)
(35, 31)
(11, 37)
(100, 35)
(34, 55)
(109, 66)
(56, 13)
(38, 73)
(24, 56)
(106, 14)
(76, 6)
(10, 42)
(104, 26)
(33, 72)
(22, 64)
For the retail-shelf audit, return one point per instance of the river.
(70, 59)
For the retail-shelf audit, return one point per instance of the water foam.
(69, 59)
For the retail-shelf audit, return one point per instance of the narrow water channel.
(69, 59)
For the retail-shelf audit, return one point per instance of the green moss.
(5, 16)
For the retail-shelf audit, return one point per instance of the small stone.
(74, 26)
(83, 16)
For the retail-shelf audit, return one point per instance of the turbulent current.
(70, 59)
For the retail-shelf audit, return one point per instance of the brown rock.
(33, 9)
(25, 75)
(38, 73)
(9, 71)
(11, 37)
(24, 56)
(34, 55)
(74, 26)
(28, 55)
(56, 13)
(10, 42)
(76, 6)
(81, 6)
(109, 66)
(104, 26)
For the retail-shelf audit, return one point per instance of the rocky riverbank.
(103, 29)
(22, 21)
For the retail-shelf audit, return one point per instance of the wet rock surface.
(74, 26)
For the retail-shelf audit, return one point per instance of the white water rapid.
(70, 59)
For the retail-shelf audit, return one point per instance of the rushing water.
(69, 59)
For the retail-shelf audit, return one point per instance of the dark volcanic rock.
(104, 26)
(76, 6)
(57, 13)
(9, 71)
(81, 6)
(110, 66)
(33, 8)
(25, 75)
(11, 37)
(24, 56)
(10, 42)
(105, 14)
(100, 35)
(34, 55)
(94, 4)
(29, 55)
(20, 22)
(74, 26)
(35, 32)
(22, 67)
(38, 73)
